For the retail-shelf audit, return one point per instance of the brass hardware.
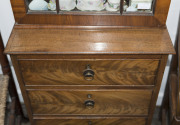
(89, 104)
(89, 96)
(88, 73)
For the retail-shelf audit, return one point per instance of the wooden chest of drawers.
(90, 77)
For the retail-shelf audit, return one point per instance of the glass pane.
(141, 6)
(41, 5)
(90, 5)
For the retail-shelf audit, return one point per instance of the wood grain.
(22, 87)
(87, 56)
(102, 121)
(107, 102)
(161, 69)
(84, 41)
(158, 19)
(173, 92)
(107, 72)
(6, 70)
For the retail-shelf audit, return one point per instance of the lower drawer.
(90, 102)
(103, 121)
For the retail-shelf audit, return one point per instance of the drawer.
(100, 121)
(90, 102)
(89, 72)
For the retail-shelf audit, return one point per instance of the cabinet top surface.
(90, 41)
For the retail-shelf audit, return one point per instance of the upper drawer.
(89, 72)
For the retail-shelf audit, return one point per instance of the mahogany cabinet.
(85, 66)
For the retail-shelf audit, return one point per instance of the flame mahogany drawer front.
(90, 102)
(102, 121)
(89, 76)
(89, 72)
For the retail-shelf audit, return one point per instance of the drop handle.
(89, 104)
(88, 73)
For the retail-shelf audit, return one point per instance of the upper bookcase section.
(137, 13)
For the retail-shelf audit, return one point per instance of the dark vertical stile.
(121, 6)
(57, 6)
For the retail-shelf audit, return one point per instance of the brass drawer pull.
(89, 104)
(88, 73)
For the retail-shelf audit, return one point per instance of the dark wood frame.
(78, 12)
(171, 100)
(16, 113)
(156, 20)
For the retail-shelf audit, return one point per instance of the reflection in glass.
(89, 5)
(137, 6)
(42, 5)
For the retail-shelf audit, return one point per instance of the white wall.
(6, 19)
(7, 22)
(0, 70)
(172, 25)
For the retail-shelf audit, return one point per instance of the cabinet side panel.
(157, 87)
(22, 87)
